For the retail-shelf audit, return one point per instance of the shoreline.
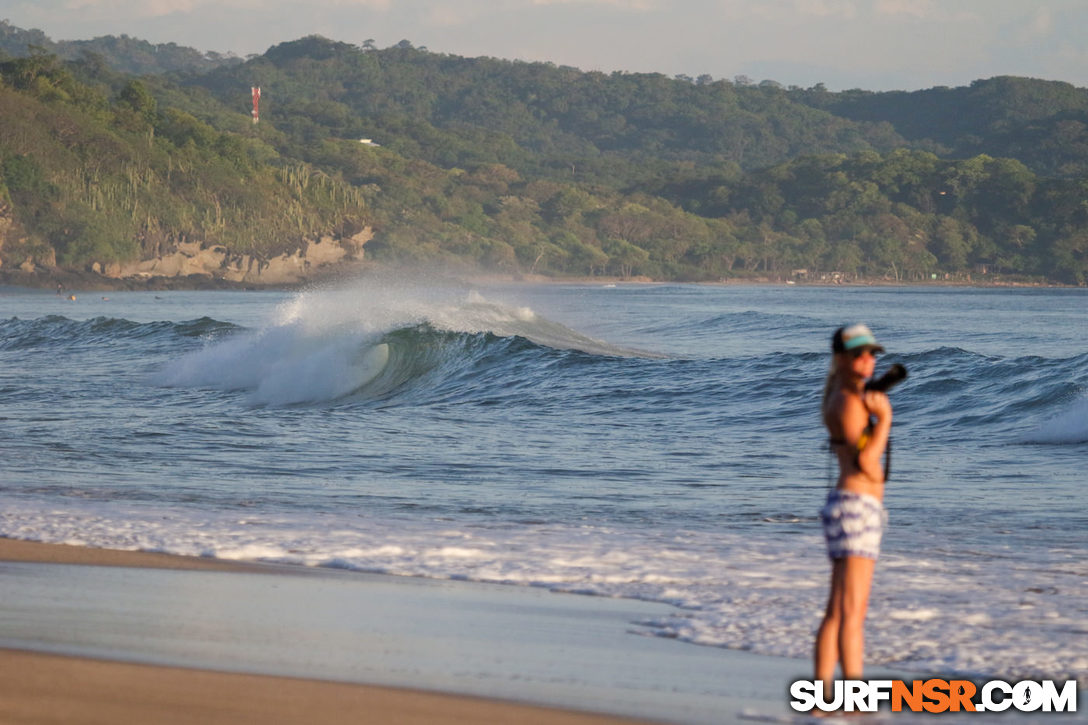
(57, 687)
(91, 282)
(37, 552)
(166, 636)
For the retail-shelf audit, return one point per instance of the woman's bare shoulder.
(845, 415)
(842, 400)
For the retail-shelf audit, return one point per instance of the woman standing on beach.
(858, 422)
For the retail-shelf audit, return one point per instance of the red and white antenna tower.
(256, 90)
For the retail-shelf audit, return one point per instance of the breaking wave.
(326, 346)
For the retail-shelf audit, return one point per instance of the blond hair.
(829, 384)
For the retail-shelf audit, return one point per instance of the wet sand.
(99, 636)
(47, 689)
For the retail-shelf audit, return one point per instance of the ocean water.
(659, 442)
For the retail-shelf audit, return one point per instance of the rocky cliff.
(216, 263)
(194, 258)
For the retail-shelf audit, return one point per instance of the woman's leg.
(857, 579)
(826, 653)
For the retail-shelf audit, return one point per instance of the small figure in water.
(858, 422)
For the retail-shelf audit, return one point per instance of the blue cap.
(855, 337)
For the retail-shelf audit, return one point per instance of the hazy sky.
(872, 44)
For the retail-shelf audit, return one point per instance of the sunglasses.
(864, 351)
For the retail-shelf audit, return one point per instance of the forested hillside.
(1043, 124)
(122, 53)
(91, 175)
(533, 168)
(535, 117)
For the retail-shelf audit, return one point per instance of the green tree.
(1069, 256)
(135, 97)
(626, 257)
(950, 246)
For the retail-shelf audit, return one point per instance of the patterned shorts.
(853, 524)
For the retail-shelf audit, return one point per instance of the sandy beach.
(42, 688)
(100, 636)
(37, 687)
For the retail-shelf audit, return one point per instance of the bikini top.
(863, 440)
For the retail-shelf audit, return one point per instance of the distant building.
(368, 142)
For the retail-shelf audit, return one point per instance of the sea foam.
(1069, 426)
(732, 590)
(326, 344)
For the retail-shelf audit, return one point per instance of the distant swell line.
(55, 330)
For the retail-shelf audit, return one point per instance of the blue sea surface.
(659, 442)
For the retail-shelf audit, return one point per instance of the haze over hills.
(529, 167)
(122, 53)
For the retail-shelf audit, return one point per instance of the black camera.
(894, 375)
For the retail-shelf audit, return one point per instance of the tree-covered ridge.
(97, 166)
(907, 214)
(121, 53)
(657, 155)
(1042, 123)
(543, 118)
(535, 117)
(616, 123)
(90, 175)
